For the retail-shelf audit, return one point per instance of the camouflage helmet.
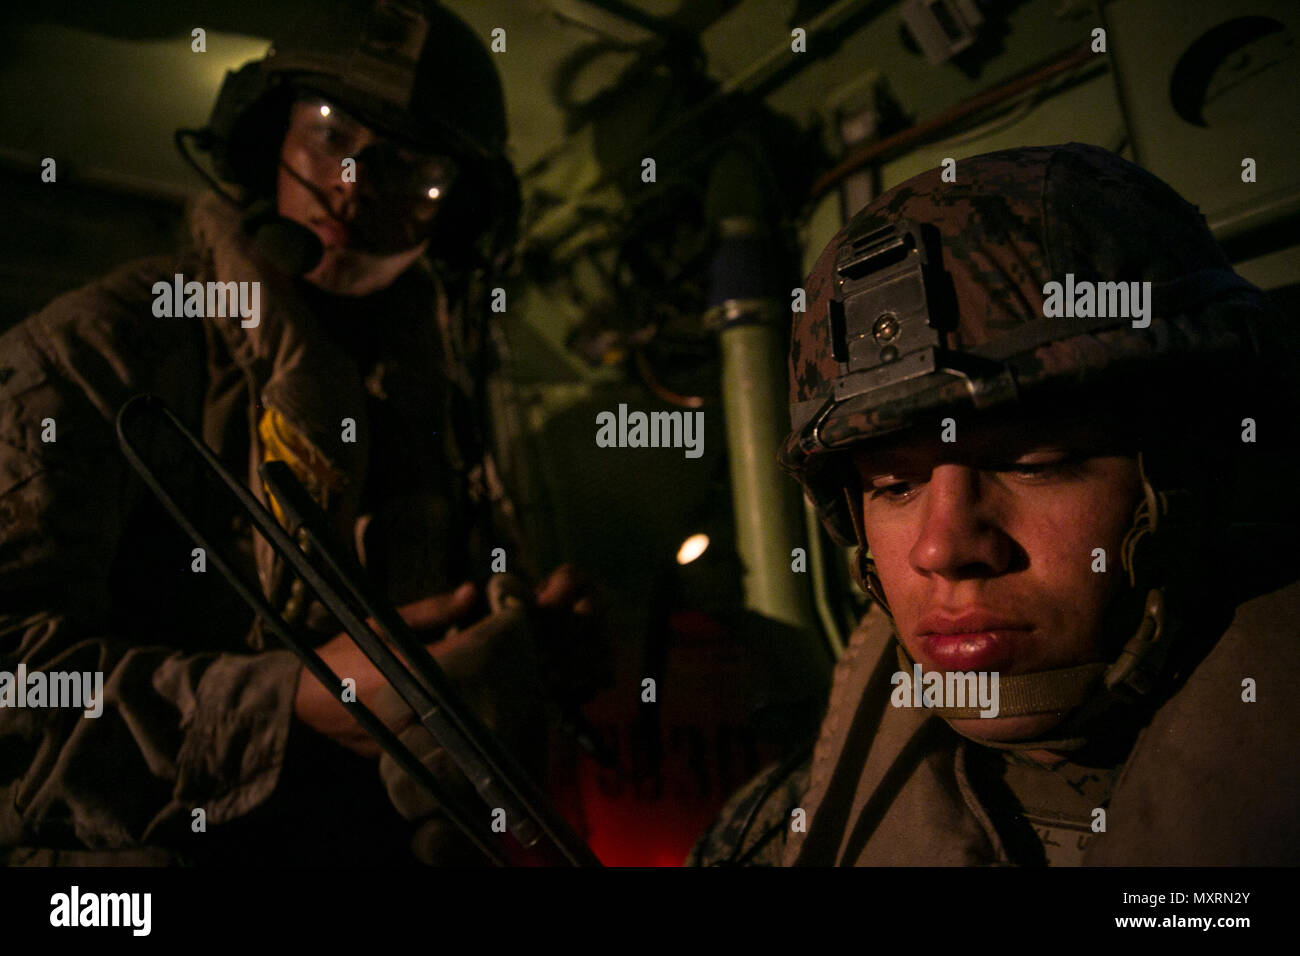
(932, 299)
(409, 69)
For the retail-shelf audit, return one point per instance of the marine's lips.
(971, 640)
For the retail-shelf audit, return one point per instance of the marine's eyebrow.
(1077, 436)
(908, 464)
(871, 464)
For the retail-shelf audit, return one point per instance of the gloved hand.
(493, 667)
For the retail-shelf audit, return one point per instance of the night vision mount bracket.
(889, 320)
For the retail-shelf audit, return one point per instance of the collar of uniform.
(294, 368)
(875, 764)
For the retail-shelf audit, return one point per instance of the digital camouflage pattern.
(94, 575)
(897, 786)
(889, 786)
(1013, 221)
(752, 828)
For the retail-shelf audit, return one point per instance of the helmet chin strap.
(1082, 694)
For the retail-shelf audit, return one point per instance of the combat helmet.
(930, 302)
(409, 69)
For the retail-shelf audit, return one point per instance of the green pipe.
(766, 502)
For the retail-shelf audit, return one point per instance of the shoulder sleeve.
(1213, 779)
(752, 828)
(175, 730)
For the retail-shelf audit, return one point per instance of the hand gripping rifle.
(340, 585)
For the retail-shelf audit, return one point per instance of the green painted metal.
(768, 520)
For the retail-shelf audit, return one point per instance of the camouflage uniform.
(95, 576)
(1189, 773)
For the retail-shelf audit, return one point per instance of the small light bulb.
(692, 548)
(324, 110)
(434, 192)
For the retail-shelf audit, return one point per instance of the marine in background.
(371, 312)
